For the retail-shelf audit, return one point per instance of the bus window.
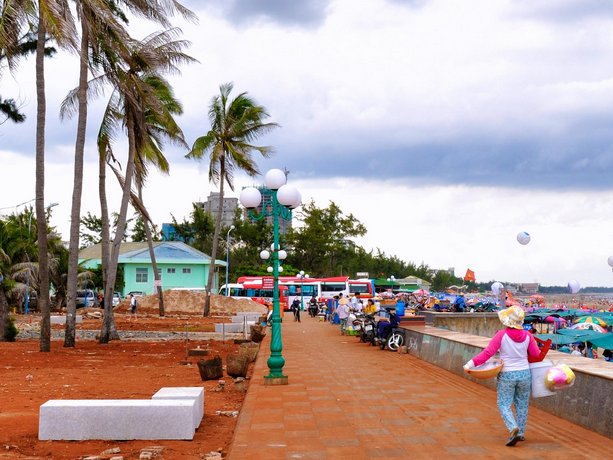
(333, 287)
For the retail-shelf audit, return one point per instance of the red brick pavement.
(348, 400)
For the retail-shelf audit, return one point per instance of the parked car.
(116, 299)
(136, 293)
(85, 298)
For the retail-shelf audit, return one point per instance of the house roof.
(165, 252)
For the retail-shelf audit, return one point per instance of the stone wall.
(483, 324)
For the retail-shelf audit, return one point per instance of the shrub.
(10, 330)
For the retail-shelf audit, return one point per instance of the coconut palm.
(135, 100)
(160, 127)
(53, 18)
(234, 125)
(10, 241)
(103, 36)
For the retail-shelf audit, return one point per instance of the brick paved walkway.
(348, 400)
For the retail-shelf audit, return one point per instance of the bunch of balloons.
(559, 377)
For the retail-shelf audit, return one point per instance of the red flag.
(470, 275)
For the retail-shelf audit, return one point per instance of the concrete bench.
(117, 419)
(187, 393)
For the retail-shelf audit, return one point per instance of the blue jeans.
(514, 389)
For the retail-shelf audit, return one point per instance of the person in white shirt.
(514, 380)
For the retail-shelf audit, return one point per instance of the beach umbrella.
(588, 326)
(554, 319)
(591, 320)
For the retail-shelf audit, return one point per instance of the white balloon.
(610, 261)
(523, 237)
(574, 286)
(497, 287)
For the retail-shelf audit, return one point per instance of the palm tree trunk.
(209, 284)
(41, 218)
(77, 192)
(109, 316)
(156, 275)
(4, 314)
(105, 333)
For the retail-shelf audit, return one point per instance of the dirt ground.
(120, 369)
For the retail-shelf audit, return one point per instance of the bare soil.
(121, 369)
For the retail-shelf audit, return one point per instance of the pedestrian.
(514, 380)
(313, 307)
(353, 302)
(343, 314)
(370, 308)
(296, 309)
(608, 356)
(133, 306)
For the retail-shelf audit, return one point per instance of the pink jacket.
(514, 345)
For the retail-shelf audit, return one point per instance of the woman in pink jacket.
(514, 380)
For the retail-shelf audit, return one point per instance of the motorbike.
(389, 334)
(366, 324)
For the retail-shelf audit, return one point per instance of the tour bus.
(363, 288)
(320, 288)
(258, 290)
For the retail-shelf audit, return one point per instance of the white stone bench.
(188, 393)
(57, 319)
(230, 328)
(117, 419)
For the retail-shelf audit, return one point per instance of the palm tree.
(103, 35)
(234, 125)
(98, 28)
(160, 127)
(135, 100)
(10, 239)
(51, 17)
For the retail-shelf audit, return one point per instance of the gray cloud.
(581, 158)
(304, 13)
(563, 10)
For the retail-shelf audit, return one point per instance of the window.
(332, 287)
(187, 271)
(142, 275)
(170, 270)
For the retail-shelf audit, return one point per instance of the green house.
(179, 265)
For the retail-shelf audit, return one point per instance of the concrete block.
(230, 328)
(117, 419)
(189, 393)
(241, 318)
(57, 319)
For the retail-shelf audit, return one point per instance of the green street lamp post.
(284, 198)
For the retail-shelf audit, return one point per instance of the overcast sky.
(446, 127)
